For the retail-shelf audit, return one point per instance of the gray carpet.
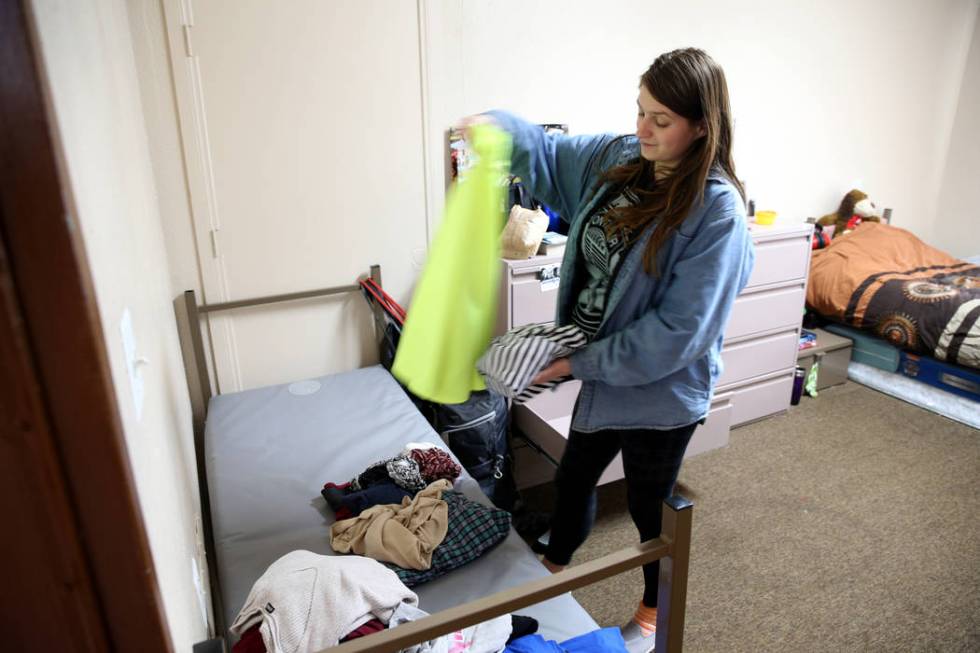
(849, 524)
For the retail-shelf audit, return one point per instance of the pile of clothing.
(403, 512)
(403, 525)
(306, 602)
(391, 480)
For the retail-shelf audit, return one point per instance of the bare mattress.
(270, 450)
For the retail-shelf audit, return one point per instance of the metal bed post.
(199, 386)
(672, 588)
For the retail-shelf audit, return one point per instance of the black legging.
(651, 462)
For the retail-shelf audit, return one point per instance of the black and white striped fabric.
(516, 357)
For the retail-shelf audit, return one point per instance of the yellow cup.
(765, 217)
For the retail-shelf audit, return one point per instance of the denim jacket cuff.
(584, 367)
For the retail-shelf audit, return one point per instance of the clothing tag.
(550, 284)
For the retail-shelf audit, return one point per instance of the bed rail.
(672, 548)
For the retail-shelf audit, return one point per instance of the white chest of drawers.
(763, 333)
(759, 352)
(528, 292)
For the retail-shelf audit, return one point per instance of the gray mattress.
(270, 450)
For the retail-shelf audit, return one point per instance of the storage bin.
(833, 352)
(868, 348)
(961, 381)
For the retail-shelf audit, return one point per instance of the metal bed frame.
(672, 548)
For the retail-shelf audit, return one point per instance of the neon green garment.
(452, 314)
(811, 378)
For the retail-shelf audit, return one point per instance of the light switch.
(134, 363)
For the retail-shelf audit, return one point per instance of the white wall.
(957, 224)
(91, 73)
(826, 95)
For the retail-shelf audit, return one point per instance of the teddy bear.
(855, 208)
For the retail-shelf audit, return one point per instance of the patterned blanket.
(884, 279)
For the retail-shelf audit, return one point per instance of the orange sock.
(646, 619)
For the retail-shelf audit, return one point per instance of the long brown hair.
(692, 85)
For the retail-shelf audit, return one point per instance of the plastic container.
(765, 217)
(869, 349)
(962, 381)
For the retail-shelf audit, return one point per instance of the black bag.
(519, 195)
(475, 430)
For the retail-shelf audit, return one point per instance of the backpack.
(475, 430)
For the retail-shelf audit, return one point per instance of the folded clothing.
(351, 504)
(368, 628)
(405, 534)
(521, 626)
(473, 530)
(401, 470)
(604, 640)
(307, 602)
(434, 463)
(515, 358)
(412, 469)
(487, 637)
(250, 641)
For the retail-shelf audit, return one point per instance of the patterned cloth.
(603, 253)
(473, 530)
(401, 470)
(516, 357)
(434, 464)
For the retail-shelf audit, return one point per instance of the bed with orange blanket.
(883, 279)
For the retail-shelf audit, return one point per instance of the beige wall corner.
(957, 225)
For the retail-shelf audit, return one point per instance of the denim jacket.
(657, 354)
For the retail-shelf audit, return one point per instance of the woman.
(657, 251)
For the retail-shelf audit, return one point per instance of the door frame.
(79, 573)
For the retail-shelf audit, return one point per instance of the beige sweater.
(405, 534)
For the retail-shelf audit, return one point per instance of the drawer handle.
(548, 272)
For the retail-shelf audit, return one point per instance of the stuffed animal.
(855, 208)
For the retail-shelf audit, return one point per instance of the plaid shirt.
(473, 529)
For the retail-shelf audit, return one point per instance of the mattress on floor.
(270, 450)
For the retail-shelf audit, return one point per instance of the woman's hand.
(558, 368)
(466, 123)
